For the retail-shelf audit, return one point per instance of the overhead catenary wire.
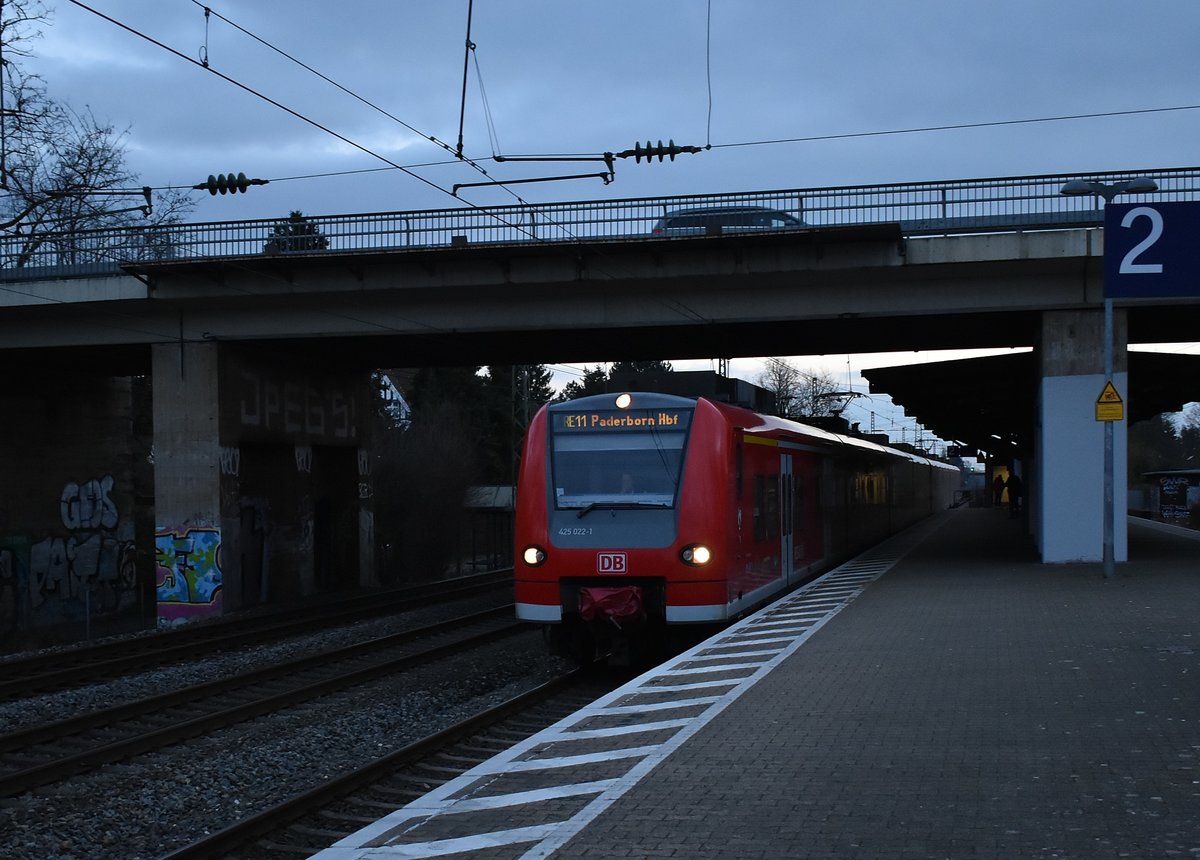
(246, 88)
(471, 51)
(459, 158)
(928, 129)
(678, 307)
(291, 58)
(489, 119)
(956, 126)
(314, 123)
(474, 161)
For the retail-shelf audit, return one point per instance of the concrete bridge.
(252, 344)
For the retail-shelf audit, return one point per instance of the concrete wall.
(75, 518)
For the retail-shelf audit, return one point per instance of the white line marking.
(524, 798)
(559, 762)
(617, 710)
(615, 731)
(683, 688)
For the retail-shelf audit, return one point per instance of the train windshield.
(618, 459)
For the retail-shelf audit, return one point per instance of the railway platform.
(945, 696)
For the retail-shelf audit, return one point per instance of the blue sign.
(1151, 250)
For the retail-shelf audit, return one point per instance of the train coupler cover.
(616, 604)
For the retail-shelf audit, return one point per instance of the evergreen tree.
(1189, 438)
(594, 381)
(639, 367)
(297, 233)
(432, 386)
(421, 475)
(513, 395)
(1153, 446)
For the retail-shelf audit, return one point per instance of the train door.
(787, 509)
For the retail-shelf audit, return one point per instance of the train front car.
(621, 509)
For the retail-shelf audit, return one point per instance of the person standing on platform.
(997, 490)
(1014, 487)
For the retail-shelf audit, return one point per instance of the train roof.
(770, 423)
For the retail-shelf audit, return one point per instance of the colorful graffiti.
(85, 573)
(188, 574)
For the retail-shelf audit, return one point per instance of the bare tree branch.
(62, 171)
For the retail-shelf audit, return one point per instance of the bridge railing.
(920, 208)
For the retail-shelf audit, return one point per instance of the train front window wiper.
(618, 506)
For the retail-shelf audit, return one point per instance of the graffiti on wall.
(188, 574)
(292, 407)
(256, 549)
(86, 571)
(231, 461)
(13, 572)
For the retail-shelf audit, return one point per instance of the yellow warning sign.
(1109, 406)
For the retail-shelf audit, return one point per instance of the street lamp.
(1139, 185)
(1076, 187)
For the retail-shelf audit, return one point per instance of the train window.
(766, 507)
(628, 467)
(760, 528)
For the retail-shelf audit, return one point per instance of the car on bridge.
(706, 220)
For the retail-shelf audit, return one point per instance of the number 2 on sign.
(1129, 264)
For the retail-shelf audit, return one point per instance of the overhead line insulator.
(228, 184)
(670, 150)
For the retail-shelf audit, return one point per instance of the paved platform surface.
(970, 703)
(967, 703)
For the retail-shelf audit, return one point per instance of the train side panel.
(706, 517)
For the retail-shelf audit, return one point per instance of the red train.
(640, 513)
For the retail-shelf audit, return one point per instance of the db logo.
(611, 562)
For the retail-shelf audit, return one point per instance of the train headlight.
(534, 556)
(696, 555)
(624, 401)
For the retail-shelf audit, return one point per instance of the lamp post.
(1076, 187)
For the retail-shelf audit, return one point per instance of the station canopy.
(990, 403)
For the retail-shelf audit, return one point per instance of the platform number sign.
(1151, 250)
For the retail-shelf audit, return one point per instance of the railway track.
(64, 668)
(314, 819)
(56, 751)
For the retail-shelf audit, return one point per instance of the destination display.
(618, 421)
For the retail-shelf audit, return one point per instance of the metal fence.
(922, 208)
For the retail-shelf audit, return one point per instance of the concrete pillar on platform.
(262, 479)
(187, 481)
(1068, 503)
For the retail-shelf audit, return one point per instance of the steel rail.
(22, 676)
(497, 623)
(231, 840)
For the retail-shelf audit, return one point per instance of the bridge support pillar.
(1067, 495)
(262, 484)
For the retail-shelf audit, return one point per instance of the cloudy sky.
(566, 76)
